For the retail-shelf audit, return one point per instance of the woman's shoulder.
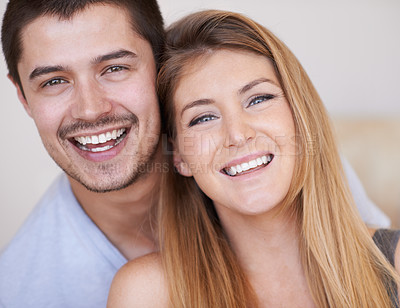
(139, 283)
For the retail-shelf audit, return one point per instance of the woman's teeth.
(116, 134)
(263, 160)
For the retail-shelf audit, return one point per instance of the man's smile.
(105, 141)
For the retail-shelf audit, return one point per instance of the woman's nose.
(239, 131)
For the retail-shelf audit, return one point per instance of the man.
(85, 72)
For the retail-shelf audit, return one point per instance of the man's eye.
(202, 119)
(259, 99)
(54, 82)
(114, 69)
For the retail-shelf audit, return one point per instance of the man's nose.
(91, 102)
(239, 131)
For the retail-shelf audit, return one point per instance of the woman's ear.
(181, 166)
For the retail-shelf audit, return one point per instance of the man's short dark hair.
(145, 16)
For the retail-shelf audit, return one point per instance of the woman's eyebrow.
(242, 90)
(198, 102)
(253, 83)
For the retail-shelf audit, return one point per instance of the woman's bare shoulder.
(139, 283)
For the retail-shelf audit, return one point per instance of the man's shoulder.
(34, 237)
(50, 259)
(40, 223)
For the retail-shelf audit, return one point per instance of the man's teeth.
(101, 149)
(117, 134)
(263, 160)
(102, 138)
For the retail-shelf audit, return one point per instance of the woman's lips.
(250, 165)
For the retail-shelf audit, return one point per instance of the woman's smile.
(237, 169)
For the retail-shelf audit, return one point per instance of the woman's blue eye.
(202, 119)
(53, 82)
(259, 99)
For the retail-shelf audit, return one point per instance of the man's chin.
(104, 189)
(112, 187)
(108, 185)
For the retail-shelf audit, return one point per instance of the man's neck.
(124, 216)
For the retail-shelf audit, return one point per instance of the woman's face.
(235, 131)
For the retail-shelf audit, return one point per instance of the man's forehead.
(94, 16)
(96, 27)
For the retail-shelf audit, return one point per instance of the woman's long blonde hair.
(342, 265)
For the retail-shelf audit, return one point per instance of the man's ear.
(181, 166)
(21, 96)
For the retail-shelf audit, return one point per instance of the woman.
(258, 214)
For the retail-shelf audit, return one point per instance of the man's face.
(89, 85)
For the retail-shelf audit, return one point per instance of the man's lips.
(101, 142)
(257, 163)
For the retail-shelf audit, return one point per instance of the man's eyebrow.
(122, 53)
(199, 102)
(43, 70)
(252, 84)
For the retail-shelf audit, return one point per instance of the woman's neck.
(261, 237)
(267, 247)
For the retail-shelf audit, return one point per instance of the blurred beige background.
(372, 145)
(350, 50)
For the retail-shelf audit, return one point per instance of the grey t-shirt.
(59, 258)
